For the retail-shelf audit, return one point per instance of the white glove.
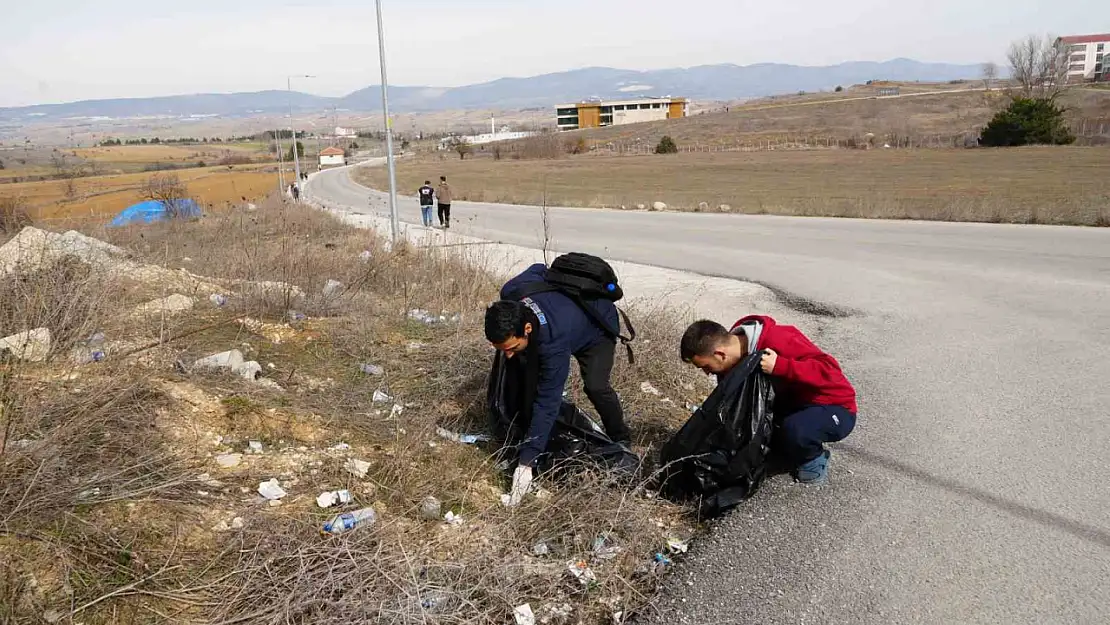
(522, 482)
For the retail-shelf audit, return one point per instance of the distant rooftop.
(1086, 38)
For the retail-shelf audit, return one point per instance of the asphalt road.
(976, 488)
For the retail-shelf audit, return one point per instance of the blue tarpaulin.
(151, 211)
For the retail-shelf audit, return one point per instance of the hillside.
(707, 82)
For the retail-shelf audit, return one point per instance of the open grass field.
(32, 163)
(841, 116)
(102, 196)
(1054, 185)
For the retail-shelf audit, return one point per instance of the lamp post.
(289, 102)
(388, 131)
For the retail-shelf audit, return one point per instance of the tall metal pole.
(394, 228)
(296, 156)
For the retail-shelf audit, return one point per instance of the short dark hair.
(504, 320)
(701, 338)
(443, 178)
(427, 182)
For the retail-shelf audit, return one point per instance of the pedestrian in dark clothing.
(443, 196)
(561, 329)
(814, 402)
(427, 196)
(296, 193)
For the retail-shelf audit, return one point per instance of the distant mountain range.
(706, 82)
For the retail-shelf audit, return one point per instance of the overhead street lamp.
(289, 101)
(394, 228)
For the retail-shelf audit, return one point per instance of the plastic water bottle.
(95, 347)
(350, 520)
(217, 299)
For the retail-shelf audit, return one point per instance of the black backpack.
(720, 455)
(584, 278)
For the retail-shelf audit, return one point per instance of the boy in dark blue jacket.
(560, 329)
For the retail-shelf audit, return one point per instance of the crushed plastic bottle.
(333, 498)
(217, 299)
(370, 369)
(94, 348)
(350, 520)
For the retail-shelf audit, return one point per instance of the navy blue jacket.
(565, 330)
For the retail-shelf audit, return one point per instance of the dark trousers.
(801, 436)
(445, 215)
(596, 365)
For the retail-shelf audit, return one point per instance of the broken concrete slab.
(31, 346)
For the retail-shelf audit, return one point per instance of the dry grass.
(839, 118)
(1053, 185)
(109, 492)
(102, 196)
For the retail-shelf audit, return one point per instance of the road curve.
(975, 488)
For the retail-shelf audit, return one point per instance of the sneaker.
(815, 472)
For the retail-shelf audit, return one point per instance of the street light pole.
(388, 131)
(289, 102)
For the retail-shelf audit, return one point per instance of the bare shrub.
(13, 214)
(1039, 66)
(165, 188)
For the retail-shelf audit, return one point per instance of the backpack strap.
(530, 289)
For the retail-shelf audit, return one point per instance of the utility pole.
(281, 160)
(289, 102)
(394, 228)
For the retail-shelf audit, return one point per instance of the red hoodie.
(804, 375)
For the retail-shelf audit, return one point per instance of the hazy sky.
(61, 50)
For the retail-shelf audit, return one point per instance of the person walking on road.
(814, 402)
(427, 199)
(443, 196)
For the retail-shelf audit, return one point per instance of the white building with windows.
(596, 113)
(1086, 56)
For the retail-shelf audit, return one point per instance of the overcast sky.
(62, 50)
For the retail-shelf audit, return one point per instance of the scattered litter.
(523, 615)
(341, 447)
(217, 299)
(249, 370)
(231, 359)
(268, 383)
(604, 549)
(381, 397)
(396, 411)
(647, 387)
(677, 546)
(92, 492)
(466, 439)
(618, 618)
(333, 498)
(32, 345)
(254, 447)
(52, 616)
(332, 287)
(237, 523)
(275, 503)
(369, 369)
(294, 315)
(430, 508)
(365, 256)
(581, 571)
(355, 467)
(693, 407)
(350, 520)
(423, 316)
(452, 518)
(228, 461)
(661, 562)
(271, 489)
(540, 549)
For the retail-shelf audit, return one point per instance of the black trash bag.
(574, 437)
(720, 454)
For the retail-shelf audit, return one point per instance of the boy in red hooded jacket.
(814, 403)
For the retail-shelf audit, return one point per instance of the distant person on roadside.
(814, 402)
(296, 192)
(427, 195)
(443, 196)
